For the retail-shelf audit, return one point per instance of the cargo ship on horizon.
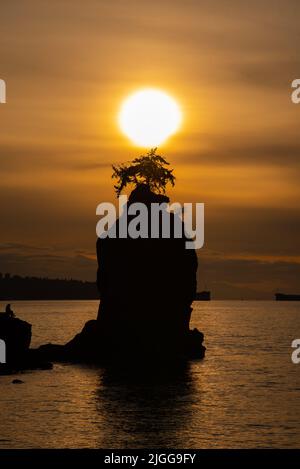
(286, 297)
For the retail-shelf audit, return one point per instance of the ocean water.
(244, 394)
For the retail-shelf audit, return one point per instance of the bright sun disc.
(148, 117)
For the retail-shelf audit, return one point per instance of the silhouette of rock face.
(147, 286)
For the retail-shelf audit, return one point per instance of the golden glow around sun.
(148, 117)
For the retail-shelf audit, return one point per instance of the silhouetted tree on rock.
(149, 170)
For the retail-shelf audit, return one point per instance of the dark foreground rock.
(15, 335)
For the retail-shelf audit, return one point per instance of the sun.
(149, 116)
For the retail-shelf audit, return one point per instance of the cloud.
(46, 261)
(269, 73)
(220, 149)
(31, 157)
(230, 276)
(253, 278)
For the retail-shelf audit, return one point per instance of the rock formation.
(15, 335)
(146, 287)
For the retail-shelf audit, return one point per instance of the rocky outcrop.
(147, 286)
(92, 345)
(15, 336)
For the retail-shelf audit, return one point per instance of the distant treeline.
(15, 287)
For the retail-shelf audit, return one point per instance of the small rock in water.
(17, 381)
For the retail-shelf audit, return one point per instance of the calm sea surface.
(246, 393)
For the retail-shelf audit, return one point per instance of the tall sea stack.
(146, 286)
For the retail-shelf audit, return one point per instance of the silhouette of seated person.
(146, 285)
(9, 312)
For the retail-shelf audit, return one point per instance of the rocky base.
(92, 346)
(30, 361)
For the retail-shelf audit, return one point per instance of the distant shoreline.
(13, 300)
(13, 288)
(18, 288)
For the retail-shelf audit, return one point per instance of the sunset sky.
(68, 65)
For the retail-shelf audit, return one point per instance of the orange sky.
(68, 65)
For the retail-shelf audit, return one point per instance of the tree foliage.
(149, 169)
